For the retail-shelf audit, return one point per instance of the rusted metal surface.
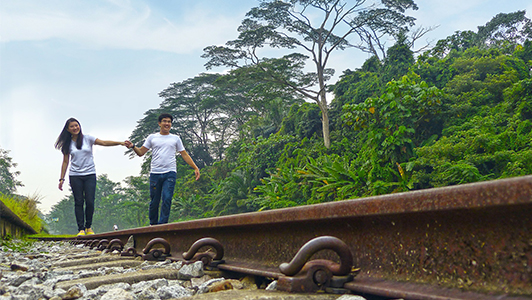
(115, 245)
(156, 254)
(315, 245)
(475, 237)
(214, 243)
(208, 258)
(302, 275)
(415, 291)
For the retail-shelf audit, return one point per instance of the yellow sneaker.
(89, 231)
(81, 232)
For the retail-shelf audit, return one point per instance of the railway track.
(470, 242)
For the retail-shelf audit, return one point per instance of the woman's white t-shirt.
(164, 149)
(81, 160)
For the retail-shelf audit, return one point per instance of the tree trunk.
(325, 125)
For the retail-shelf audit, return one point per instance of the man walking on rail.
(164, 146)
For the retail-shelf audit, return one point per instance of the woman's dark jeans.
(161, 186)
(84, 190)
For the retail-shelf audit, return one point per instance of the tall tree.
(61, 218)
(513, 28)
(253, 105)
(8, 182)
(136, 200)
(317, 27)
(192, 104)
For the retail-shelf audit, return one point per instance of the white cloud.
(119, 24)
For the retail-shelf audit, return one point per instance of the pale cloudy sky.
(105, 61)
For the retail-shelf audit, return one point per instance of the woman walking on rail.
(77, 147)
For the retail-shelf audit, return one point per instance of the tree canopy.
(317, 28)
(458, 113)
(8, 181)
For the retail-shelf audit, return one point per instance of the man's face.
(166, 125)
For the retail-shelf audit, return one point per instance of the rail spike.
(129, 252)
(206, 257)
(317, 274)
(115, 244)
(94, 243)
(156, 254)
(102, 245)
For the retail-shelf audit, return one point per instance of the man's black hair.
(162, 116)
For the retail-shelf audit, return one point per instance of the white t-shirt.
(81, 160)
(164, 149)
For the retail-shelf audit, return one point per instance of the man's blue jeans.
(161, 187)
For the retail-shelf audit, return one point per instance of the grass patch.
(25, 208)
(46, 235)
(23, 245)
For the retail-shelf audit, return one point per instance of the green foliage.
(398, 60)
(25, 208)
(334, 178)
(284, 186)
(126, 207)
(496, 145)
(16, 245)
(355, 87)
(303, 121)
(8, 182)
(287, 25)
(506, 29)
(459, 113)
(400, 119)
(61, 218)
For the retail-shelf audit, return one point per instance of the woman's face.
(73, 128)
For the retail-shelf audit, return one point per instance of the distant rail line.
(471, 241)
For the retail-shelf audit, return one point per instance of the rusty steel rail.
(471, 241)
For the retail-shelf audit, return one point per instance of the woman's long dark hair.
(65, 138)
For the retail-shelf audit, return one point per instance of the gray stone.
(351, 297)
(174, 291)
(121, 285)
(117, 294)
(196, 282)
(21, 278)
(33, 291)
(190, 271)
(154, 284)
(31, 282)
(148, 294)
(130, 243)
(75, 292)
(272, 286)
(49, 292)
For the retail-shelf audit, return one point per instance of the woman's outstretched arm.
(108, 143)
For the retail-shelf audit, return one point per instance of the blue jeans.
(84, 190)
(161, 186)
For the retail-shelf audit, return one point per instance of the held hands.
(129, 144)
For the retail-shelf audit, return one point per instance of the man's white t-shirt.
(164, 149)
(82, 161)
